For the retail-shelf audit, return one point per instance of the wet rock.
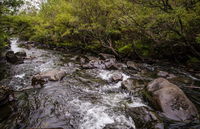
(107, 62)
(133, 85)
(145, 118)
(165, 74)
(31, 58)
(90, 58)
(171, 100)
(42, 78)
(100, 64)
(75, 58)
(83, 60)
(119, 66)
(106, 56)
(11, 57)
(17, 57)
(6, 95)
(162, 74)
(116, 77)
(21, 54)
(110, 63)
(132, 65)
(95, 64)
(28, 45)
(128, 85)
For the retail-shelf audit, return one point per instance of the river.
(84, 99)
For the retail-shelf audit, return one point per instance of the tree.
(7, 7)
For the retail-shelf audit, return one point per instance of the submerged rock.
(42, 78)
(145, 118)
(171, 100)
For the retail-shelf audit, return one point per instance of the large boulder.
(145, 118)
(42, 78)
(171, 100)
(11, 57)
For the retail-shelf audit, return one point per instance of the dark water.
(83, 99)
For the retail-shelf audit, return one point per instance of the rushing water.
(82, 100)
(70, 103)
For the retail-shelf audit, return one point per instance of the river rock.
(95, 64)
(116, 77)
(110, 63)
(133, 85)
(165, 74)
(17, 57)
(53, 75)
(106, 56)
(100, 64)
(119, 66)
(162, 74)
(21, 54)
(145, 118)
(171, 100)
(6, 95)
(132, 65)
(11, 57)
(81, 59)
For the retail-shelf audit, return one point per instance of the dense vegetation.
(7, 8)
(140, 29)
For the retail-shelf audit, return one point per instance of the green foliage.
(7, 7)
(120, 26)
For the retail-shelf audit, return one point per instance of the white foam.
(97, 116)
(20, 76)
(114, 99)
(136, 104)
(106, 75)
(14, 45)
(46, 66)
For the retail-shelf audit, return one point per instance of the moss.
(125, 49)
